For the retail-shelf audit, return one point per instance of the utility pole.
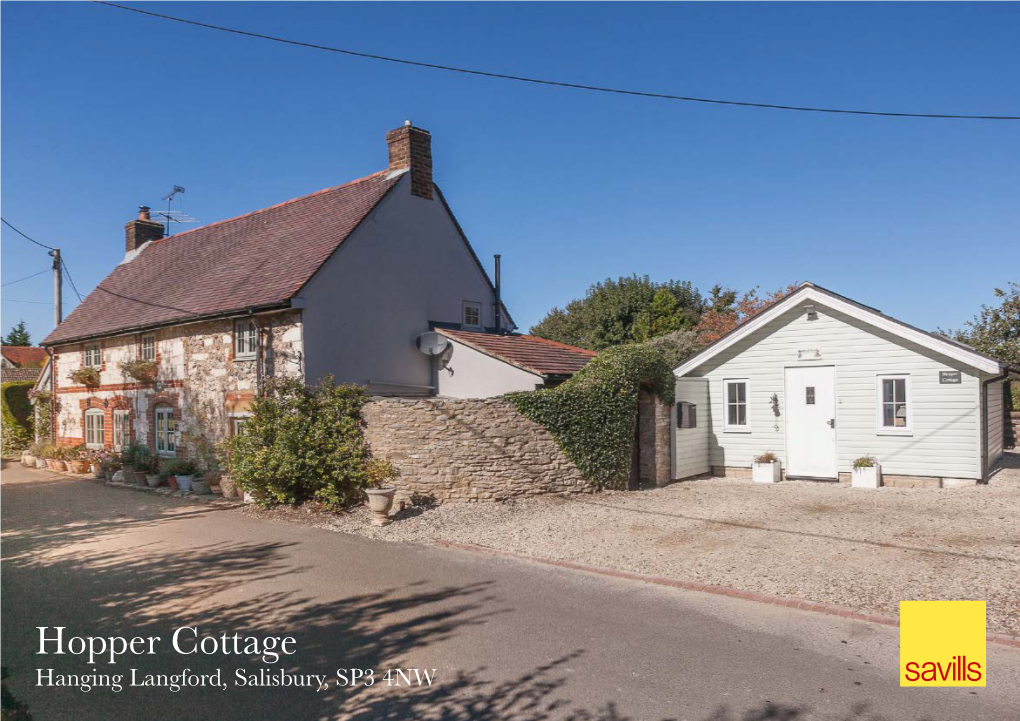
(58, 287)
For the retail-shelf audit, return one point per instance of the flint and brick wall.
(467, 450)
(198, 378)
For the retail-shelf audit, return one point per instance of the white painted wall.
(994, 423)
(690, 445)
(404, 266)
(945, 440)
(476, 375)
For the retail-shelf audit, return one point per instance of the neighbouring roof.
(8, 375)
(809, 292)
(258, 260)
(527, 352)
(25, 356)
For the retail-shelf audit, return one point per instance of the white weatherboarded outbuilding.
(821, 380)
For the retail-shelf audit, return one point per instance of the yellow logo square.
(942, 643)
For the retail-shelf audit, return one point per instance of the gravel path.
(822, 542)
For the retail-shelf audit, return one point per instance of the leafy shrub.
(766, 457)
(1014, 394)
(47, 450)
(86, 376)
(15, 416)
(379, 472)
(593, 416)
(77, 453)
(135, 454)
(141, 370)
(865, 462)
(303, 443)
(677, 346)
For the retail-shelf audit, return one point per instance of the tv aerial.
(175, 216)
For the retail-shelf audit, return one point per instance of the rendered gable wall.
(947, 429)
(404, 266)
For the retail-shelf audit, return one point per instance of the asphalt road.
(507, 640)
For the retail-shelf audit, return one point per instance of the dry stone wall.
(468, 449)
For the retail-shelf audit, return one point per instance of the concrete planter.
(78, 466)
(40, 463)
(184, 482)
(152, 479)
(766, 472)
(228, 487)
(28, 460)
(870, 477)
(200, 488)
(380, 500)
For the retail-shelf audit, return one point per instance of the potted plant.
(30, 456)
(228, 488)
(40, 455)
(135, 458)
(183, 471)
(55, 458)
(765, 468)
(78, 459)
(109, 464)
(141, 370)
(380, 493)
(866, 473)
(86, 376)
(150, 468)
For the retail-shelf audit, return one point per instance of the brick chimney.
(411, 147)
(140, 231)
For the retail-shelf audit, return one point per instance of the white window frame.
(164, 426)
(727, 426)
(91, 430)
(477, 308)
(93, 349)
(883, 430)
(141, 351)
(119, 428)
(246, 339)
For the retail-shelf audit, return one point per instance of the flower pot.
(152, 479)
(184, 482)
(56, 465)
(200, 488)
(171, 481)
(868, 477)
(40, 463)
(765, 472)
(380, 500)
(28, 460)
(78, 466)
(227, 486)
(118, 477)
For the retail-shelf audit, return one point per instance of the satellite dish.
(432, 343)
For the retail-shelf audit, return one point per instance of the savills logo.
(942, 643)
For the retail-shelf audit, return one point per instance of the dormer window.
(472, 315)
(245, 340)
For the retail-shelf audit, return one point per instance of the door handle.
(832, 423)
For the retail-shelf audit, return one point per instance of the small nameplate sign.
(949, 377)
(809, 354)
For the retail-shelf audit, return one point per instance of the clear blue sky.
(104, 110)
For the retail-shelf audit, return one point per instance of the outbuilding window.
(736, 405)
(246, 337)
(894, 401)
(686, 415)
(94, 428)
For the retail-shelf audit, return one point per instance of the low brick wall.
(467, 449)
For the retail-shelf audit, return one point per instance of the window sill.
(244, 357)
(890, 432)
(737, 429)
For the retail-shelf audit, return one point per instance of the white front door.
(811, 422)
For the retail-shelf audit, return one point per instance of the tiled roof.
(22, 356)
(19, 374)
(531, 353)
(256, 260)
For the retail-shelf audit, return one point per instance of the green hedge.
(593, 416)
(16, 414)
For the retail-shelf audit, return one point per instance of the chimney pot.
(411, 148)
(143, 212)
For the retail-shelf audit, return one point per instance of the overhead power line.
(33, 302)
(73, 286)
(552, 83)
(42, 245)
(28, 277)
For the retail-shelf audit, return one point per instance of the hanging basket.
(88, 377)
(141, 370)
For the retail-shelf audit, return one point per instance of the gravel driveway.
(823, 542)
